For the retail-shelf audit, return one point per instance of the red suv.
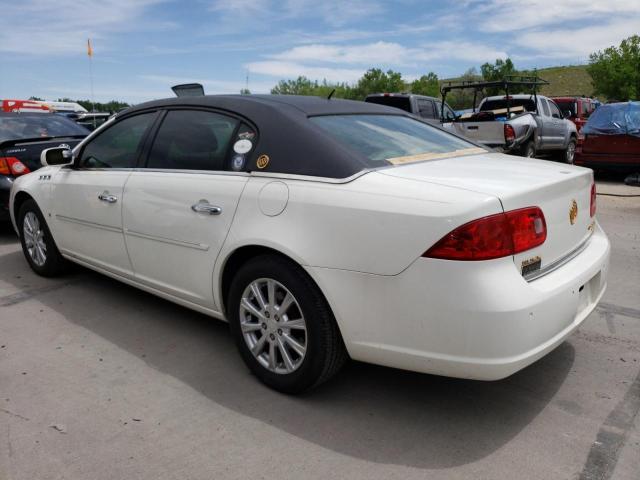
(579, 108)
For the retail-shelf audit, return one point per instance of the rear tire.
(569, 154)
(528, 150)
(37, 242)
(288, 359)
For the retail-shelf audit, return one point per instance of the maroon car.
(579, 108)
(612, 137)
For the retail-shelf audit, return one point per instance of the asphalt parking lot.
(101, 381)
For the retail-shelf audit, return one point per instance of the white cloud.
(519, 15)
(62, 27)
(292, 70)
(581, 42)
(379, 54)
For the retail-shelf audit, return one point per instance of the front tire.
(37, 242)
(283, 326)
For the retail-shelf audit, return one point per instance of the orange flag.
(89, 49)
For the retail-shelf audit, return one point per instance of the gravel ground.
(101, 381)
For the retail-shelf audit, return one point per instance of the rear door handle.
(204, 206)
(107, 197)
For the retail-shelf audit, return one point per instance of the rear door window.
(426, 109)
(198, 140)
(545, 107)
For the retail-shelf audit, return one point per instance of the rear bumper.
(607, 160)
(477, 320)
(5, 189)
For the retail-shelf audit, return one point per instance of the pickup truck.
(523, 124)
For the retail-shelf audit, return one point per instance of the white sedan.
(323, 230)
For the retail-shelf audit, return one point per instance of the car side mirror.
(56, 156)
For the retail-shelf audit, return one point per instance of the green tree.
(376, 81)
(36, 99)
(498, 70)
(461, 99)
(245, 91)
(426, 85)
(616, 71)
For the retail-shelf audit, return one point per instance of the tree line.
(615, 74)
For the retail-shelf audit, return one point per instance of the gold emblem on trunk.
(573, 212)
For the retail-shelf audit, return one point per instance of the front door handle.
(107, 197)
(204, 206)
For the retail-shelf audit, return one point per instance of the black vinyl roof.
(293, 143)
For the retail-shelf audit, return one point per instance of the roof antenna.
(331, 94)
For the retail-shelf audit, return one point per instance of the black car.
(23, 136)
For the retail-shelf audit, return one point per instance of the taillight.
(593, 200)
(12, 166)
(509, 133)
(494, 236)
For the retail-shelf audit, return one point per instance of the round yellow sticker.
(263, 161)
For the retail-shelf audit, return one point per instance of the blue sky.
(142, 47)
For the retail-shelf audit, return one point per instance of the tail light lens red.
(12, 166)
(509, 133)
(494, 236)
(593, 200)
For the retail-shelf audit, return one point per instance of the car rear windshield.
(42, 125)
(390, 101)
(384, 139)
(501, 103)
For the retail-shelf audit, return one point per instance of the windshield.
(501, 103)
(385, 139)
(19, 126)
(398, 102)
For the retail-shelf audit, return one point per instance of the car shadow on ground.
(373, 413)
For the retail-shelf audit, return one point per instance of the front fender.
(35, 184)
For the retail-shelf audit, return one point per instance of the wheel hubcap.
(571, 152)
(34, 239)
(273, 326)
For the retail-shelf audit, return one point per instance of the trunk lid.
(518, 183)
(28, 151)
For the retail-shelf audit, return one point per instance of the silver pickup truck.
(522, 128)
(524, 124)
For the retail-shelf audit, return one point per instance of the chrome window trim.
(559, 262)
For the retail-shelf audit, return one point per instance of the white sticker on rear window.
(242, 146)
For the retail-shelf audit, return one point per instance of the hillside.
(570, 80)
(567, 80)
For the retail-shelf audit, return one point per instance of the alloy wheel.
(273, 326)
(34, 239)
(571, 152)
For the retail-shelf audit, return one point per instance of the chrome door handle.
(205, 207)
(106, 197)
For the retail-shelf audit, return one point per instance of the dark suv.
(428, 108)
(23, 136)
